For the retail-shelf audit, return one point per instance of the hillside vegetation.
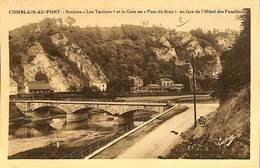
(71, 56)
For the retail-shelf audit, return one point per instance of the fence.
(93, 146)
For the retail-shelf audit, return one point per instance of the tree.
(153, 72)
(48, 25)
(48, 46)
(41, 76)
(72, 88)
(236, 62)
(70, 20)
(60, 21)
(117, 86)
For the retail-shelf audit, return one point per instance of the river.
(37, 130)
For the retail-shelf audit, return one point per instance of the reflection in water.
(52, 124)
(96, 120)
(27, 132)
(58, 123)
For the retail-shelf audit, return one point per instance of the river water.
(45, 126)
(35, 130)
(41, 125)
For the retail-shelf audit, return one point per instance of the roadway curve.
(159, 141)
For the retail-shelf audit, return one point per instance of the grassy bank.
(225, 136)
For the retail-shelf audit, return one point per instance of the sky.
(204, 21)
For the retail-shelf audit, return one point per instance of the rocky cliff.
(71, 70)
(75, 54)
(41, 63)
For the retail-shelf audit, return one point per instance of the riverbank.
(30, 147)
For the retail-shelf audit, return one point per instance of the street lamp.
(191, 48)
(194, 91)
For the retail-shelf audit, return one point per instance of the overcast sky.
(204, 21)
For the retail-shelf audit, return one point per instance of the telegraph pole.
(194, 91)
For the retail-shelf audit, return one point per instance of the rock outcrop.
(42, 63)
(75, 54)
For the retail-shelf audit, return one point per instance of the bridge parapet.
(72, 106)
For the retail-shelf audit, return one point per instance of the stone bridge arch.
(121, 111)
(91, 109)
(51, 109)
(115, 108)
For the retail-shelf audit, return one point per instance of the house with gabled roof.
(37, 87)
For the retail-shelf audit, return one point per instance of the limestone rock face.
(42, 63)
(165, 53)
(163, 40)
(75, 54)
(208, 56)
(57, 71)
(181, 38)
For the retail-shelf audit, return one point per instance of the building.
(13, 87)
(37, 87)
(165, 82)
(161, 85)
(176, 87)
(136, 83)
(100, 84)
(169, 84)
(153, 88)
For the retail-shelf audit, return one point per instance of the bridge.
(122, 111)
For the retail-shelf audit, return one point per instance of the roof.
(165, 79)
(33, 85)
(177, 86)
(98, 81)
(135, 77)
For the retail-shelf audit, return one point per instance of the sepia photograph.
(130, 90)
(129, 84)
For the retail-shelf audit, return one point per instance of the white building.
(165, 82)
(169, 84)
(13, 87)
(100, 84)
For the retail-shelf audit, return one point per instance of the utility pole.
(81, 78)
(194, 91)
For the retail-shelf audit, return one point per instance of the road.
(159, 141)
(158, 98)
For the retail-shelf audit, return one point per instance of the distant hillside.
(71, 56)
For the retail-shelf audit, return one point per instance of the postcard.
(129, 83)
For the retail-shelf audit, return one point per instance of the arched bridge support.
(120, 110)
(124, 119)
